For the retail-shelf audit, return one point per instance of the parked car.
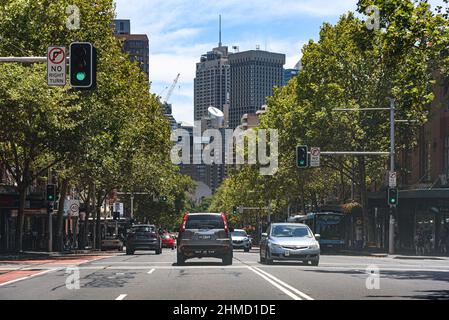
(241, 240)
(205, 235)
(290, 241)
(111, 243)
(168, 241)
(143, 237)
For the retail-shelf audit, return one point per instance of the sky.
(180, 31)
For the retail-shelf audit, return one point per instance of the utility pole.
(392, 169)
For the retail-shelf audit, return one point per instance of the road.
(157, 277)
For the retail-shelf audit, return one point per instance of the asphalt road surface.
(146, 276)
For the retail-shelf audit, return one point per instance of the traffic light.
(83, 65)
(393, 196)
(302, 157)
(163, 198)
(51, 192)
(234, 210)
(50, 207)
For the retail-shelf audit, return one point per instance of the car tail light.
(225, 223)
(183, 224)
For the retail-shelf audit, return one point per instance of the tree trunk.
(60, 219)
(86, 219)
(20, 218)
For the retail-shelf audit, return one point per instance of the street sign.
(118, 207)
(392, 179)
(71, 208)
(241, 209)
(315, 157)
(56, 67)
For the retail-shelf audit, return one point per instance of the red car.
(168, 241)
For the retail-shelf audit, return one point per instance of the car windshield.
(143, 229)
(239, 234)
(205, 222)
(286, 231)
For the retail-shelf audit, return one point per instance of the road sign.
(392, 179)
(118, 207)
(56, 67)
(241, 209)
(315, 157)
(71, 208)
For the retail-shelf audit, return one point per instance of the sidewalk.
(34, 255)
(399, 256)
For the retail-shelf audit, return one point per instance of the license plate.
(204, 237)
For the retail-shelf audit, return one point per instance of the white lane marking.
(27, 277)
(302, 294)
(151, 271)
(284, 290)
(121, 297)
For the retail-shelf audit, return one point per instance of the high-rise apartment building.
(254, 73)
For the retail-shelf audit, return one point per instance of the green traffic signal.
(302, 156)
(80, 76)
(392, 196)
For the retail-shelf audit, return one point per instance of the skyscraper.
(135, 45)
(212, 82)
(254, 73)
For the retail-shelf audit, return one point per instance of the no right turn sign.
(56, 66)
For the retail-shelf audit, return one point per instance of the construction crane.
(170, 91)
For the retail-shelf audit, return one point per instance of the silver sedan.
(290, 241)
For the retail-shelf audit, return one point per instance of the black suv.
(143, 237)
(204, 235)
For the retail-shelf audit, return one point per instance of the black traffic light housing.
(163, 198)
(393, 197)
(83, 65)
(302, 157)
(234, 210)
(51, 193)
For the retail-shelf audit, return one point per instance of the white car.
(241, 240)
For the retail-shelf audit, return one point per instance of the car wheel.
(268, 260)
(246, 250)
(315, 263)
(227, 259)
(129, 251)
(180, 259)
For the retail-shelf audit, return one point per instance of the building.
(212, 83)
(423, 186)
(254, 74)
(168, 113)
(289, 74)
(135, 45)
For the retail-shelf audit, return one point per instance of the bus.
(329, 225)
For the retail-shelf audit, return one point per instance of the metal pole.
(132, 206)
(50, 227)
(392, 169)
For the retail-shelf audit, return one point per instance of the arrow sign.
(315, 157)
(56, 67)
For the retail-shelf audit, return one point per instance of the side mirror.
(317, 237)
(264, 235)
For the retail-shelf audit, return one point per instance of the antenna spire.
(219, 43)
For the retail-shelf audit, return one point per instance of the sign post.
(56, 66)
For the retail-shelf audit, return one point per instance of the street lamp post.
(392, 169)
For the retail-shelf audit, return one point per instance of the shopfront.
(420, 212)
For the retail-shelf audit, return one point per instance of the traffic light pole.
(392, 169)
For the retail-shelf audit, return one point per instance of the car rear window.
(204, 222)
(143, 229)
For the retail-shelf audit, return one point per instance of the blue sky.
(180, 31)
